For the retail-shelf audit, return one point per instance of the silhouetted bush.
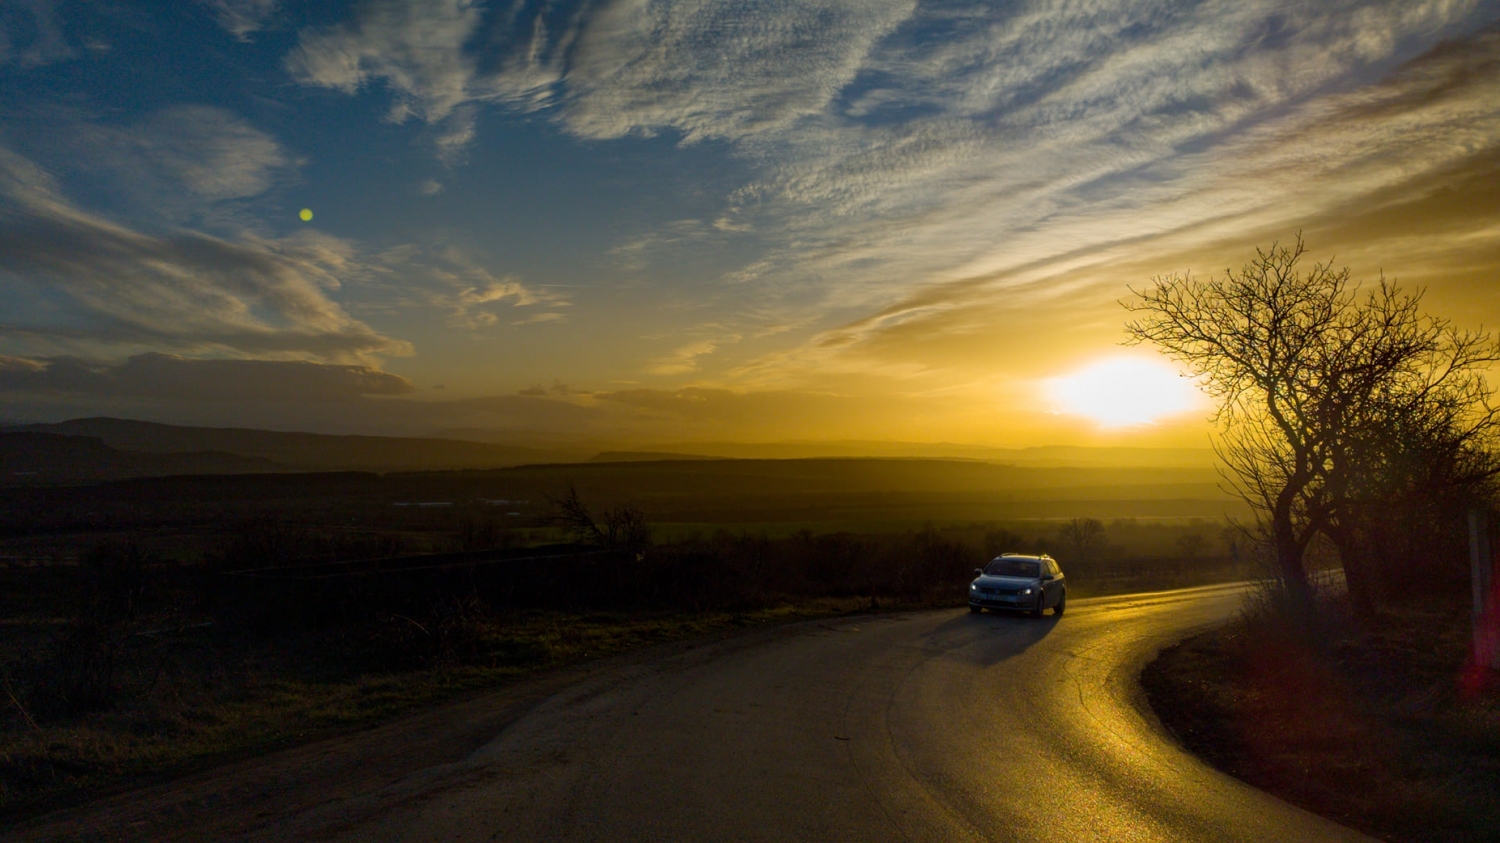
(623, 526)
(1001, 541)
(722, 572)
(78, 671)
(481, 534)
(266, 541)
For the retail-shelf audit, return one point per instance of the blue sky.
(650, 221)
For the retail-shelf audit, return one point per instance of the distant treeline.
(773, 496)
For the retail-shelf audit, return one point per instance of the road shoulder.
(1370, 729)
(250, 796)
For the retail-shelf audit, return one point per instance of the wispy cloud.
(683, 359)
(919, 169)
(921, 221)
(700, 68)
(211, 152)
(31, 34)
(206, 152)
(170, 377)
(77, 279)
(416, 49)
(453, 135)
(714, 70)
(450, 279)
(941, 144)
(636, 253)
(539, 318)
(242, 18)
(173, 163)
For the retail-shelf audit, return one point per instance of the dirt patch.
(1376, 725)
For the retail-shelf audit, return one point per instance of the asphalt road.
(938, 726)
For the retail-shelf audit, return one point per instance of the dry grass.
(120, 672)
(227, 699)
(1371, 724)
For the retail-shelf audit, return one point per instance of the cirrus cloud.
(31, 34)
(242, 18)
(74, 278)
(164, 376)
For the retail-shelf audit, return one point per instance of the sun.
(1124, 392)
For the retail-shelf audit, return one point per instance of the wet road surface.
(940, 726)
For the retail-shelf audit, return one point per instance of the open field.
(152, 626)
(778, 497)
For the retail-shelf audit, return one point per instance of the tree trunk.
(1357, 575)
(1289, 565)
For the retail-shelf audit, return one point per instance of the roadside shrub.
(1310, 618)
(1001, 541)
(79, 671)
(449, 631)
(481, 534)
(939, 562)
(265, 542)
(354, 546)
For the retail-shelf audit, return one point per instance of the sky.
(650, 221)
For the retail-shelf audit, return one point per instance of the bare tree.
(623, 525)
(1084, 536)
(571, 514)
(1310, 375)
(627, 525)
(1404, 478)
(1192, 545)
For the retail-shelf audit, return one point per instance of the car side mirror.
(1046, 577)
(978, 572)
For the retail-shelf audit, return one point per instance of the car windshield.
(1013, 568)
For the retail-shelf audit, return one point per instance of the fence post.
(1482, 571)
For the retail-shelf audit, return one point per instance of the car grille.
(1003, 592)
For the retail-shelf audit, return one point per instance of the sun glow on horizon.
(1124, 392)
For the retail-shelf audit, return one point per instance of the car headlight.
(1026, 591)
(973, 586)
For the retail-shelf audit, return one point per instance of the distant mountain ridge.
(645, 456)
(1044, 456)
(31, 458)
(108, 448)
(1047, 456)
(1041, 456)
(297, 451)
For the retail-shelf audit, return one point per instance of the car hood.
(990, 581)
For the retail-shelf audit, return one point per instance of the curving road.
(927, 726)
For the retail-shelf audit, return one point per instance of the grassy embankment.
(1380, 725)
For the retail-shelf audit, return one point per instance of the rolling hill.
(33, 458)
(298, 451)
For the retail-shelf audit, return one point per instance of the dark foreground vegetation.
(145, 632)
(1383, 725)
(1362, 432)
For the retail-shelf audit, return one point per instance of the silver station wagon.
(1025, 583)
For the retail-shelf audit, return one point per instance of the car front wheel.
(1041, 605)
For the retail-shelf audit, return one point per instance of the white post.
(1482, 571)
